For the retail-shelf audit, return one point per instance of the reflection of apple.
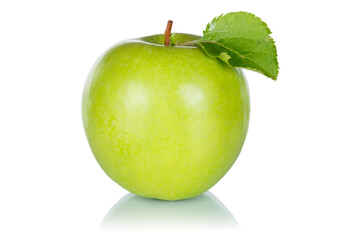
(165, 122)
(202, 212)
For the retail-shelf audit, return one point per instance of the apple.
(165, 122)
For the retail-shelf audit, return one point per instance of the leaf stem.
(189, 43)
(168, 33)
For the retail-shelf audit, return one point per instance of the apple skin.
(164, 122)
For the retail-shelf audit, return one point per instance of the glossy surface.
(137, 213)
(164, 122)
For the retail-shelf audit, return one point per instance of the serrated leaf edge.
(206, 31)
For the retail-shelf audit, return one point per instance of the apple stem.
(168, 33)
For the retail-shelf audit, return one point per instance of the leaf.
(241, 40)
(225, 57)
(172, 36)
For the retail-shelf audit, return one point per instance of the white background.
(297, 176)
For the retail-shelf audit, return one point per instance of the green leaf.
(172, 37)
(241, 40)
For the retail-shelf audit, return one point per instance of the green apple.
(165, 122)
